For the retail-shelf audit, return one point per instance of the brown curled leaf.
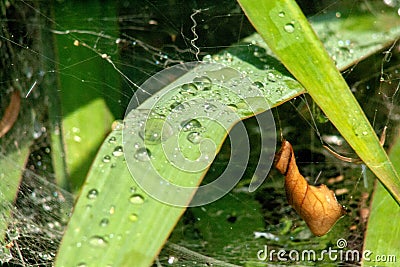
(316, 205)
(10, 114)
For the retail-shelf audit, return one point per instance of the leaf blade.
(288, 33)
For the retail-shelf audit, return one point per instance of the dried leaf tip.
(316, 205)
(10, 114)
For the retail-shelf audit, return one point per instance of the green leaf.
(289, 35)
(83, 103)
(382, 237)
(135, 220)
(11, 166)
(114, 221)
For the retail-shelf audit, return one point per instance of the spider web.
(151, 36)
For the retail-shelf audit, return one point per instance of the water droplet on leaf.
(133, 217)
(202, 83)
(104, 222)
(112, 210)
(190, 125)
(98, 241)
(112, 140)
(208, 107)
(106, 159)
(271, 77)
(92, 194)
(258, 84)
(188, 88)
(142, 154)
(136, 199)
(118, 151)
(289, 27)
(156, 130)
(232, 107)
(194, 137)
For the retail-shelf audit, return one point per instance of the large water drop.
(190, 125)
(156, 130)
(189, 88)
(202, 82)
(142, 154)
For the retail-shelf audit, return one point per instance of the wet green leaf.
(382, 237)
(114, 221)
(289, 35)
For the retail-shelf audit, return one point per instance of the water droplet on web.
(208, 58)
(92, 194)
(289, 27)
(106, 159)
(203, 83)
(172, 260)
(136, 199)
(133, 217)
(190, 125)
(104, 222)
(142, 154)
(118, 151)
(281, 14)
(13, 234)
(98, 241)
(194, 137)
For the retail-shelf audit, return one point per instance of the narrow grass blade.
(11, 169)
(382, 237)
(287, 32)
